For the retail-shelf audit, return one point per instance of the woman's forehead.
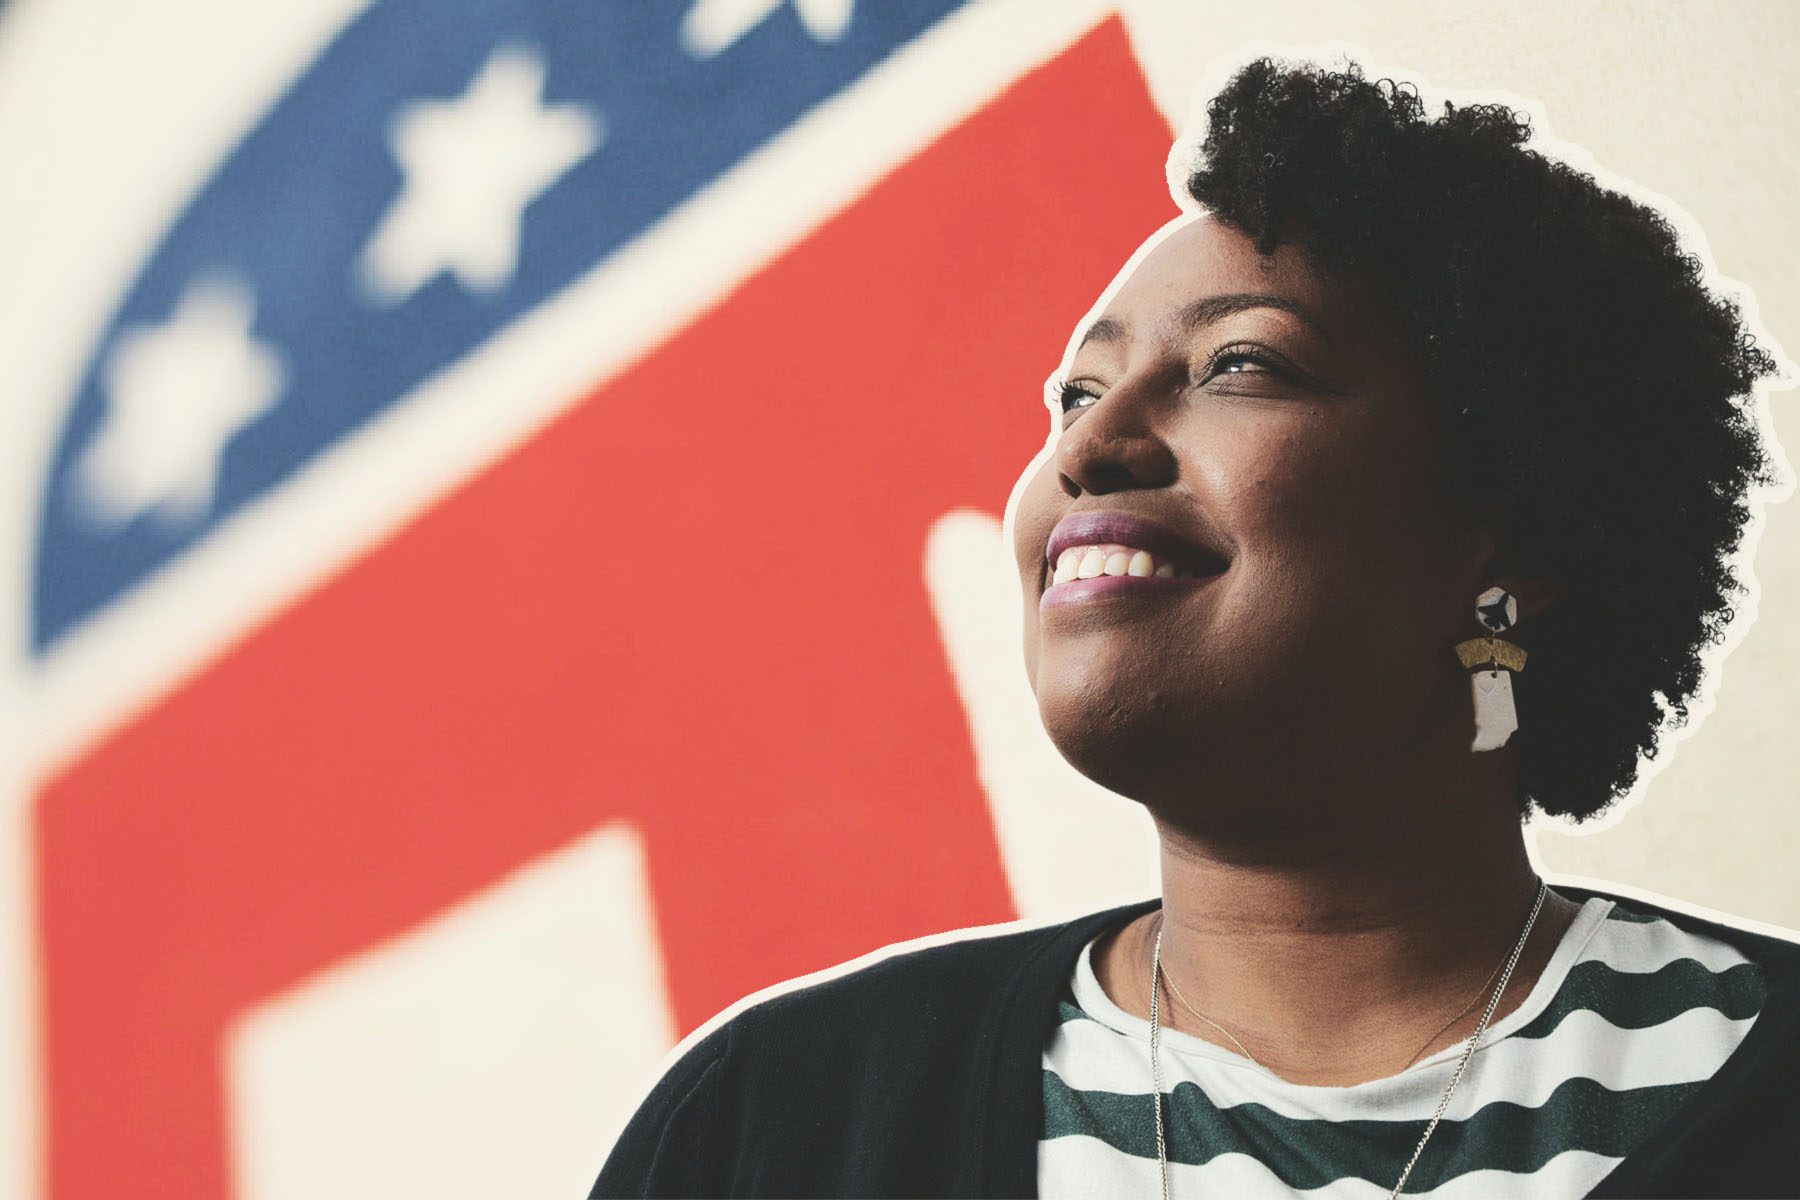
(1200, 269)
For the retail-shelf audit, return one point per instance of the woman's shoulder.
(1775, 951)
(1654, 959)
(915, 1031)
(925, 980)
(938, 985)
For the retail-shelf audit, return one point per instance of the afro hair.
(1587, 383)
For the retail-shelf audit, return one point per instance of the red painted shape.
(769, 703)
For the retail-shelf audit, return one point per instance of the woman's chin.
(1122, 743)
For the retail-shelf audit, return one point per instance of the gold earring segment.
(1496, 717)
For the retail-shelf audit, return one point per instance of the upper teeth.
(1089, 562)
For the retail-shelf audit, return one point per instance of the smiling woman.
(1399, 411)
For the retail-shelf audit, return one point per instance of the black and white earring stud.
(1496, 717)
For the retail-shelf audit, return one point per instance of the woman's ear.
(1533, 590)
(1534, 593)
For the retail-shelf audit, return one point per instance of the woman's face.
(1271, 424)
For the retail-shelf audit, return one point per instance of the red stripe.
(769, 701)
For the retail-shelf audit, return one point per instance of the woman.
(1393, 488)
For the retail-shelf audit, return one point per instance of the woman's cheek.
(1031, 527)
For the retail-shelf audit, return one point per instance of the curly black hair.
(1588, 385)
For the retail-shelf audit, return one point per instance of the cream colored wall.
(1701, 103)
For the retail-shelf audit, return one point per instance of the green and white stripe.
(1629, 1018)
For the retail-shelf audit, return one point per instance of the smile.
(1099, 554)
(1093, 571)
(1091, 562)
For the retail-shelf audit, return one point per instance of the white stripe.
(1571, 1173)
(1083, 1168)
(1089, 1057)
(1638, 948)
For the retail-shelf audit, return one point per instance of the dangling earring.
(1496, 718)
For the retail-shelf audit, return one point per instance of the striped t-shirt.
(1628, 1019)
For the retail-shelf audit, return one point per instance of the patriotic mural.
(518, 568)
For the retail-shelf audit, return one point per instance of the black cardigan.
(921, 1075)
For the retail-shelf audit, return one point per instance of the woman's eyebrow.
(1208, 309)
(1105, 331)
(1205, 311)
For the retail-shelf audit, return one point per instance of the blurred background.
(500, 529)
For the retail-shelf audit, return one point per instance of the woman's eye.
(1239, 366)
(1233, 370)
(1241, 362)
(1072, 396)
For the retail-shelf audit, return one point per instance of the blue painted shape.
(291, 210)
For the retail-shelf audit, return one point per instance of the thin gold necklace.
(1242, 1049)
(1482, 991)
(1189, 1005)
(1156, 1093)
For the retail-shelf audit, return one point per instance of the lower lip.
(1082, 591)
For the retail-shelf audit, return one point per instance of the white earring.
(1496, 717)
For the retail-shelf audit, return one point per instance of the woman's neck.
(1334, 956)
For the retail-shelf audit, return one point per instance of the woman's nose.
(1113, 446)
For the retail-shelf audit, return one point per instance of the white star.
(470, 167)
(176, 393)
(715, 25)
